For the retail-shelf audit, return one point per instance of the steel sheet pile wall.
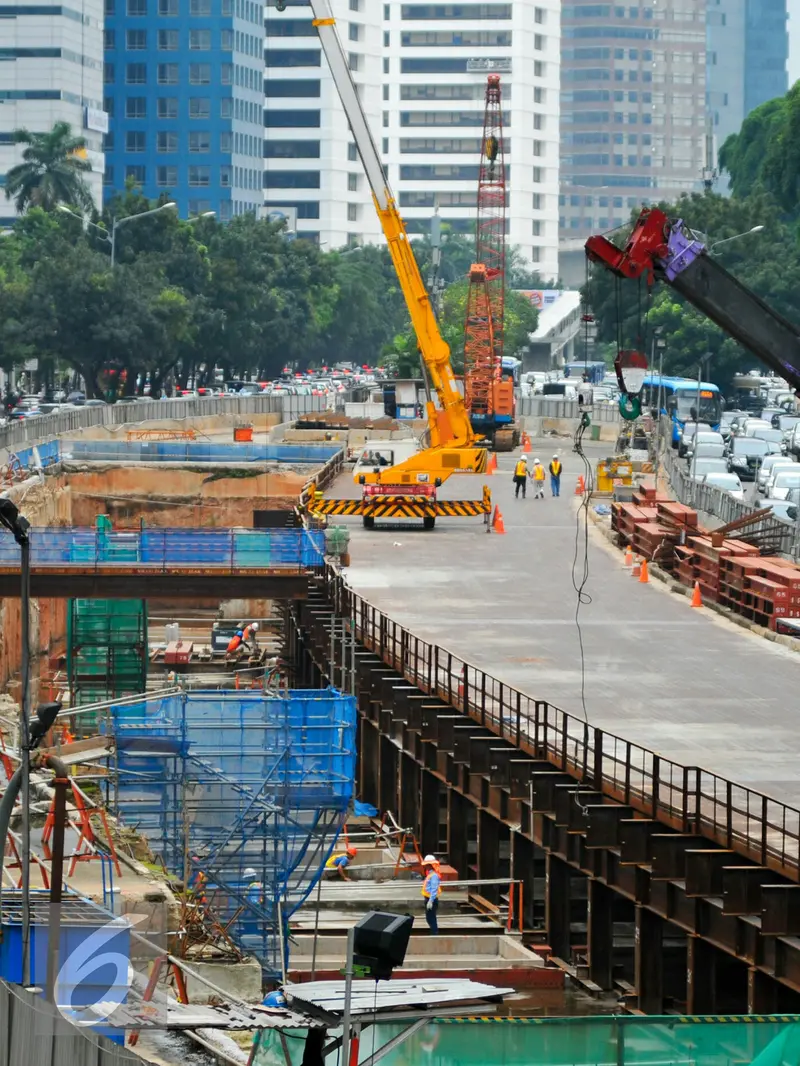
(251, 788)
(163, 549)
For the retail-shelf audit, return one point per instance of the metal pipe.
(348, 997)
(25, 597)
(56, 871)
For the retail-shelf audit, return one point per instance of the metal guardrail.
(44, 427)
(712, 500)
(688, 798)
(168, 550)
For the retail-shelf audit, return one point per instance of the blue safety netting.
(196, 452)
(162, 548)
(249, 788)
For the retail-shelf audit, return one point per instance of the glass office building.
(184, 94)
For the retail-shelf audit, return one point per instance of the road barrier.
(688, 798)
(61, 423)
(712, 500)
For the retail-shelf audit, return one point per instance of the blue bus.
(592, 371)
(678, 398)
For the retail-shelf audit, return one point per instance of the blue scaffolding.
(244, 791)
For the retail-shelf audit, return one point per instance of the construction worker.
(538, 476)
(236, 639)
(337, 864)
(249, 636)
(555, 475)
(431, 889)
(520, 476)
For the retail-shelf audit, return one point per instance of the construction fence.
(243, 793)
(588, 1041)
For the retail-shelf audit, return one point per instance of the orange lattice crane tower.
(489, 394)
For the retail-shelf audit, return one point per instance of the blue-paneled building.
(184, 93)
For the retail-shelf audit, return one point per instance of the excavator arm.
(668, 251)
(453, 444)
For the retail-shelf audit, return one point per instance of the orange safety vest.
(555, 468)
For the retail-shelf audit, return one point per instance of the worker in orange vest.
(555, 475)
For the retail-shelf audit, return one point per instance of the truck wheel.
(369, 522)
(428, 521)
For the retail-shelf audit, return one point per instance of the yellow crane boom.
(454, 446)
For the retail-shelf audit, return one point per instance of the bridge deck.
(685, 683)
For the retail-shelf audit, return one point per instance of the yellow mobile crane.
(407, 488)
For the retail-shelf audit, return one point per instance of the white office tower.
(312, 172)
(436, 60)
(52, 72)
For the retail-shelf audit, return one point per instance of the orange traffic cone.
(526, 443)
(697, 599)
(498, 525)
(636, 568)
(580, 486)
(644, 577)
(491, 466)
(628, 557)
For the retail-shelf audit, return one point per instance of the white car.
(770, 465)
(728, 482)
(785, 480)
(703, 466)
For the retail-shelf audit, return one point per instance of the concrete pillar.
(429, 815)
(649, 959)
(762, 993)
(701, 976)
(601, 934)
(558, 901)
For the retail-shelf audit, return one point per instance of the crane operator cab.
(379, 455)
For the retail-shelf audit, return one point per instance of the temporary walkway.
(684, 683)
(89, 562)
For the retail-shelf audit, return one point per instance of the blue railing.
(164, 549)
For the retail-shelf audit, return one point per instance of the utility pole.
(658, 346)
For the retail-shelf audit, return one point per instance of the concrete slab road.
(686, 683)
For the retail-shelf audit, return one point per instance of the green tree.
(52, 171)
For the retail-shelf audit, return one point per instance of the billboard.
(541, 298)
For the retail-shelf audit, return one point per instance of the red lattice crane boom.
(489, 399)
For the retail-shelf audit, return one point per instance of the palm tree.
(52, 171)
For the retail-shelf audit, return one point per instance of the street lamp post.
(735, 237)
(117, 222)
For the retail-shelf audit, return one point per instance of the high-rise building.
(633, 109)
(436, 58)
(52, 71)
(312, 172)
(748, 50)
(184, 92)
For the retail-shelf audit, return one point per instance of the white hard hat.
(524, 458)
(429, 859)
(254, 625)
(249, 872)
(556, 456)
(538, 461)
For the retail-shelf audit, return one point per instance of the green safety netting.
(586, 1041)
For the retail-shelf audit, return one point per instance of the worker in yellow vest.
(555, 475)
(520, 476)
(538, 476)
